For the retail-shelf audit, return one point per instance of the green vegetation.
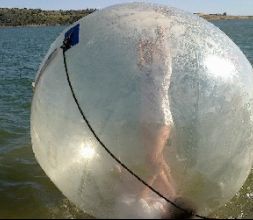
(223, 16)
(23, 17)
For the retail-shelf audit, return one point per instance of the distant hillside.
(224, 16)
(24, 17)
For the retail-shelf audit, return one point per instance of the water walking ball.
(138, 104)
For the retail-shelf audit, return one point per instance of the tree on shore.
(22, 17)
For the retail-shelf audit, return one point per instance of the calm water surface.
(25, 191)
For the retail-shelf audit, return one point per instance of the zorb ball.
(139, 105)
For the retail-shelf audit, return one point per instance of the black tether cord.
(109, 152)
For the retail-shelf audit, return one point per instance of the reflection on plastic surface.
(167, 92)
(87, 152)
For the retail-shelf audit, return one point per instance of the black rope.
(110, 153)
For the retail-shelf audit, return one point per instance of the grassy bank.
(33, 17)
(212, 17)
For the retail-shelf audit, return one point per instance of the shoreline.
(45, 18)
(206, 17)
(33, 25)
(224, 17)
(15, 17)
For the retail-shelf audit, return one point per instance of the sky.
(232, 7)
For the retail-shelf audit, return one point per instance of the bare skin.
(156, 141)
(155, 136)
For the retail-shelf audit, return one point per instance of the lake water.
(25, 191)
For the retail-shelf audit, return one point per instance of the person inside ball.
(155, 65)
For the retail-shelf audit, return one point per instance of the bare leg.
(164, 185)
(153, 52)
(156, 142)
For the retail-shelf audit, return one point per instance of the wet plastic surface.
(167, 92)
